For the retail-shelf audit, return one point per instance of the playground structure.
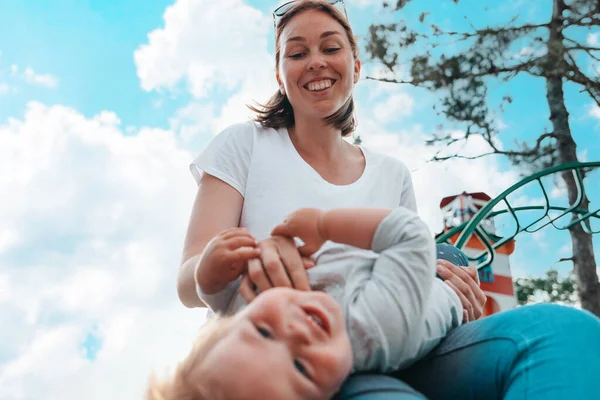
(470, 223)
(496, 280)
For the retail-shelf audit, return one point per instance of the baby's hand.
(305, 224)
(224, 259)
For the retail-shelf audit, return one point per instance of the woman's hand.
(224, 259)
(465, 282)
(279, 265)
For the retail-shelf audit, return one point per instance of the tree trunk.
(584, 263)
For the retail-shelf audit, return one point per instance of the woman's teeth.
(319, 85)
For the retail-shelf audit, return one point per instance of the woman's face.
(287, 344)
(317, 69)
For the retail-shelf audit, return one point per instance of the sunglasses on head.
(283, 9)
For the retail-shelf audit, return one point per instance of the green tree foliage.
(462, 67)
(550, 288)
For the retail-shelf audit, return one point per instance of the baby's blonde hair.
(178, 386)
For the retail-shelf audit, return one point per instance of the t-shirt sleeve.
(407, 196)
(228, 156)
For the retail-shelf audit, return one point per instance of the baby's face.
(287, 344)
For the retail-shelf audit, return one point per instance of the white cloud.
(366, 3)
(8, 238)
(4, 288)
(558, 191)
(34, 78)
(360, 3)
(4, 88)
(594, 111)
(196, 49)
(91, 229)
(530, 52)
(394, 107)
(47, 350)
(195, 124)
(433, 181)
(194, 46)
(565, 251)
(525, 51)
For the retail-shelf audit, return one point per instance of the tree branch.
(436, 158)
(589, 86)
(578, 47)
(591, 15)
(493, 70)
(489, 31)
(390, 80)
(508, 153)
(567, 259)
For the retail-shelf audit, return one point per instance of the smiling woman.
(329, 55)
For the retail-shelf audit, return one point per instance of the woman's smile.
(319, 85)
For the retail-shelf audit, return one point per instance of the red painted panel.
(501, 285)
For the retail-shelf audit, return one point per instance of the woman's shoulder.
(244, 132)
(249, 126)
(385, 162)
(240, 128)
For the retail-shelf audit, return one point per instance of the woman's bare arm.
(217, 207)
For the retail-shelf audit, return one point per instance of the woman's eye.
(332, 50)
(296, 55)
(300, 367)
(263, 332)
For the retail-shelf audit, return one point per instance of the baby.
(375, 313)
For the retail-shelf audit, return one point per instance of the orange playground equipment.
(496, 279)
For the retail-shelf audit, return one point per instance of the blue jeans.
(450, 253)
(543, 351)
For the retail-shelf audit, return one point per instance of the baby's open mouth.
(317, 318)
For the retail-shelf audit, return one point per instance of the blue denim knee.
(452, 254)
(377, 387)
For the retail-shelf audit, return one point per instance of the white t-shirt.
(263, 165)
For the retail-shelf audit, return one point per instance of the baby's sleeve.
(443, 313)
(386, 312)
(228, 156)
(219, 302)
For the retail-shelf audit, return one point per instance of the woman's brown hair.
(277, 112)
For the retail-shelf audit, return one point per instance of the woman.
(254, 175)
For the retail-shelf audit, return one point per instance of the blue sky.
(89, 45)
(102, 106)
